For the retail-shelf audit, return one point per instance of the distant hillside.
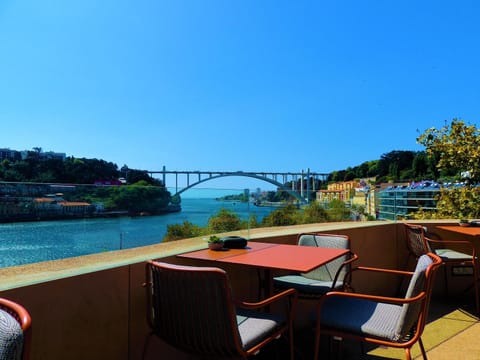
(34, 168)
(396, 165)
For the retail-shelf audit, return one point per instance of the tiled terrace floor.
(452, 333)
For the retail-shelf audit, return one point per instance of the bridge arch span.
(293, 193)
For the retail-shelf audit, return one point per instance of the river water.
(22, 243)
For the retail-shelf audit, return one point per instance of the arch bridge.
(297, 184)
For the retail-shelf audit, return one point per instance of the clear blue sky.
(234, 85)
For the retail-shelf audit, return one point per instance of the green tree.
(461, 203)
(337, 176)
(362, 170)
(87, 171)
(393, 171)
(137, 175)
(182, 231)
(253, 221)
(225, 220)
(133, 198)
(314, 213)
(456, 147)
(338, 211)
(285, 216)
(372, 168)
(392, 163)
(48, 170)
(349, 174)
(423, 167)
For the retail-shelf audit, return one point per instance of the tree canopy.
(71, 170)
(396, 165)
(456, 150)
(456, 147)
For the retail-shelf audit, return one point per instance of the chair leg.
(408, 356)
(145, 345)
(317, 343)
(291, 343)
(475, 284)
(336, 346)
(445, 275)
(362, 348)
(422, 348)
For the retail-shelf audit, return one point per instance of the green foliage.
(213, 239)
(456, 146)
(453, 204)
(253, 221)
(182, 231)
(240, 197)
(176, 199)
(87, 171)
(338, 211)
(357, 211)
(314, 213)
(395, 165)
(71, 170)
(350, 174)
(393, 162)
(225, 220)
(421, 214)
(133, 198)
(423, 167)
(281, 217)
(134, 176)
(277, 196)
(141, 183)
(460, 203)
(456, 149)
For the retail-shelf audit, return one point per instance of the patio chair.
(388, 321)
(325, 278)
(193, 310)
(15, 323)
(419, 243)
(416, 244)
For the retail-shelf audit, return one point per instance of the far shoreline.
(104, 215)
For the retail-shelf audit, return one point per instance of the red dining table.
(473, 231)
(463, 230)
(268, 256)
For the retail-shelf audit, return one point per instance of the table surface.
(464, 230)
(214, 255)
(272, 256)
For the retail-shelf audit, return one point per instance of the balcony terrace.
(93, 307)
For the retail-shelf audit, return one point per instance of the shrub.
(182, 231)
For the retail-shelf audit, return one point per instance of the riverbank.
(32, 217)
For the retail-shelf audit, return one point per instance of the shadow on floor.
(448, 317)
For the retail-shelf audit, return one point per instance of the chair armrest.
(388, 272)
(376, 298)
(353, 257)
(292, 293)
(382, 270)
(17, 311)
